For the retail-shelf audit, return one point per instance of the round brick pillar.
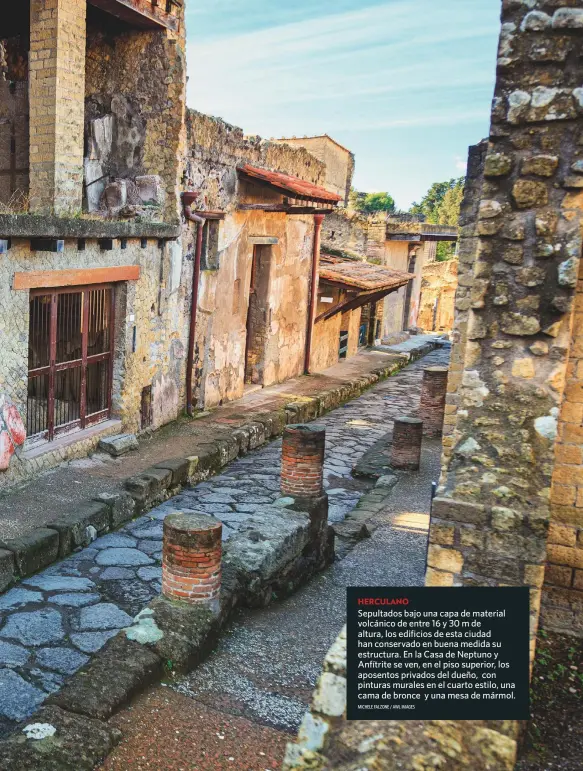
(432, 405)
(302, 461)
(191, 559)
(406, 447)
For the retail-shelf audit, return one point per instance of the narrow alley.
(52, 622)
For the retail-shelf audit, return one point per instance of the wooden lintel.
(283, 208)
(41, 279)
(210, 215)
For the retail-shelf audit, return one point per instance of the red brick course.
(406, 447)
(432, 404)
(302, 461)
(191, 558)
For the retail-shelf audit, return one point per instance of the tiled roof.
(361, 275)
(299, 188)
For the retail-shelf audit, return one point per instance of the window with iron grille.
(70, 359)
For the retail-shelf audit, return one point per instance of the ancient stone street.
(52, 622)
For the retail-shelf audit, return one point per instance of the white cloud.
(461, 164)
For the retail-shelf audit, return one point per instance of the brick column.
(432, 405)
(302, 461)
(57, 105)
(406, 447)
(191, 559)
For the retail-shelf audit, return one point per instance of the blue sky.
(405, 84)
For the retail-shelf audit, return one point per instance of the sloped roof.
(361, 275)
(299, 188)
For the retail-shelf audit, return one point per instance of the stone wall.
(144, 105)
(562, 606)
(489, 524)
(436, 303)
(14, 121)
(57, 53)
(467, 250)
(338, 160)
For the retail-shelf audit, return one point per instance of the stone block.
(534, 575)
(34, 551)
(79, 743)
(441, 534)
(438, 578)
(73, 527)
(558, 575)
(119, 444)
(160, 479)
(179, 468)
(122, 508)
(565, 555)
(7, 569)
(140, 490)
(441, 558)
(562, 534)
(459, 511)
(115, 195)
(121, 669)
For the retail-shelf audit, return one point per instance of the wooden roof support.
(351, 303)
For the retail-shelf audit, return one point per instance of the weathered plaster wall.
(436, 303)
(157, 307)
(215, 149)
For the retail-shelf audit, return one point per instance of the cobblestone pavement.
(51, 623)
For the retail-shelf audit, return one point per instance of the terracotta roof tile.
(299, 187)
(361, 275)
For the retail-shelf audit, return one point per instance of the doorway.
(257, 315)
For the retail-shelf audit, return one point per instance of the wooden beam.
(139, 13)
(41, 279)
(283, 208)
(354, 302)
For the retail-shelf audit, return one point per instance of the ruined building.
(154, 260)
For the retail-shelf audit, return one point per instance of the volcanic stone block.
(7, 568)
(34, 551)
(119, 444)
(73, 528)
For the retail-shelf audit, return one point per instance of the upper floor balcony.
(146, 14)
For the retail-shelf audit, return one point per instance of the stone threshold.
(78, 524)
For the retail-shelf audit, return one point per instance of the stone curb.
(83, 522)
(358, 523)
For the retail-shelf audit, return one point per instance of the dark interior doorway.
(257, 315)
